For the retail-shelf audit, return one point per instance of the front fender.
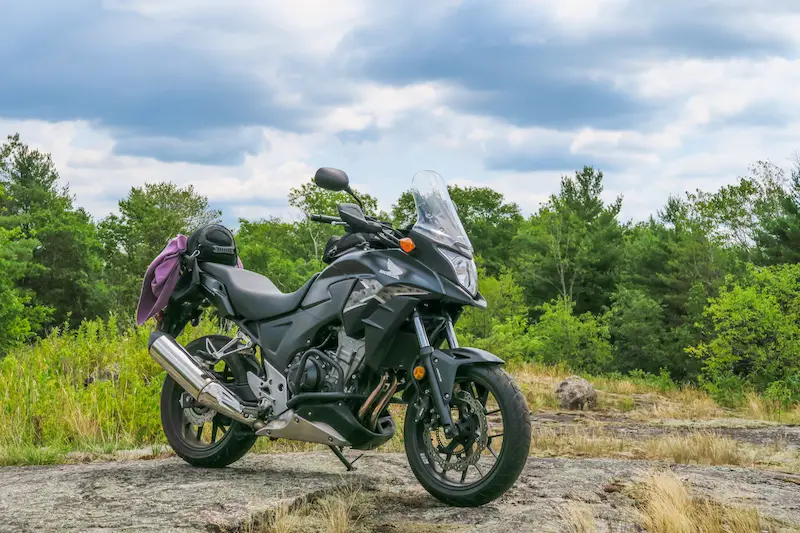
(447, 362)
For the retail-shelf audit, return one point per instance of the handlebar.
(385, 233)
(325, 219)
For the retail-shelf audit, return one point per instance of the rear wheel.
(494, 439)
(200, 436)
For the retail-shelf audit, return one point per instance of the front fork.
(441, 399)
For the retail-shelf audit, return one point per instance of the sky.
(245, 99)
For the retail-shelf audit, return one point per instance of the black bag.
(213, 244)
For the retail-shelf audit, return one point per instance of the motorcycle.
(325, 363)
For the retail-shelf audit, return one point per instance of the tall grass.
(667, 506)
(95, 388)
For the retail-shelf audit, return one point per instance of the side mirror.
(332, 179)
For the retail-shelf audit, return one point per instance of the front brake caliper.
(422, 406)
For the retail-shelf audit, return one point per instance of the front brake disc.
(481, 437)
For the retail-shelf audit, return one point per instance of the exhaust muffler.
(200, 384)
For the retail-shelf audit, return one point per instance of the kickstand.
(348, 464)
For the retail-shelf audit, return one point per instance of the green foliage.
(313, 200)
(661, 382)
(779, 235)
(754, 336)
(148, 218)
(672, 298)
(581, 341)
(65, 267)
(571, 248)
(18, 319)
(502, 328)
(95, 387)
(278, 250)
(637, 329)
(504, 298)
(735, 212)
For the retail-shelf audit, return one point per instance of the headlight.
(466, 271)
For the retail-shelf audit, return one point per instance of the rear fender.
(447, 362)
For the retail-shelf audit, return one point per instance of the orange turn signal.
(407, 245)
(419, 372)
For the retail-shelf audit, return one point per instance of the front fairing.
(423, 268)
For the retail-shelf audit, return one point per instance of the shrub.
(755, 337)
(582, 342)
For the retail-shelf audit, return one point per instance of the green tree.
(278, 250)
(779, 235)
(571, 248)
(675, 261)
(754, 335)
(65, 273)
(488, 219)
(19, 320)
(148, 218)
(637, 332)
(505, 301)
(580, 341)
(735, 214)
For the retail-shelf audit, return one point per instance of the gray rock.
(576, 393)
(169, 496)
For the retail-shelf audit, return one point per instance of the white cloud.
(696, 134)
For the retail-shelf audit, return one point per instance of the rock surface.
(168, 496)
(576, 393)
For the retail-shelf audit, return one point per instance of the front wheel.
(494, 439)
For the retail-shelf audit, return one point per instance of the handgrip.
(325, 219)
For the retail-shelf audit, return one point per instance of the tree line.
(706, 290)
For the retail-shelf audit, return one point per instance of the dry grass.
(700, 447)
(338, 512)
(578, 518)
(758, 408)
(666, 506)
(341, 511)
(578, 441)
(644, 399)
(283, 520)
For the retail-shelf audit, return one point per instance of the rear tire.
(504, 464)
(230, 440)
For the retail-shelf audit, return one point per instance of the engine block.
(349, 354)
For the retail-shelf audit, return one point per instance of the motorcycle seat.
(254, 296)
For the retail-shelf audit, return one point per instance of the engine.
(350, 354)
(328, 370)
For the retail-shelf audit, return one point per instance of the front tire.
(486, 465)
(198, 435)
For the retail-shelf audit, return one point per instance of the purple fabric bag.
(160, 280)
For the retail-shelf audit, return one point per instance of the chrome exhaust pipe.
(195, 380)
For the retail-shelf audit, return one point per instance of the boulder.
(576, 393)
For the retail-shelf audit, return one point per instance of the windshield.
(437, 217)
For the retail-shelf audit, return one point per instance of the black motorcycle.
(324, 364)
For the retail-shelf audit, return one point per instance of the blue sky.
(245, 99)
